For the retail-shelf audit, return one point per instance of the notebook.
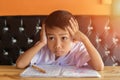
(60, 71)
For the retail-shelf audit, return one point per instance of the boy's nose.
(58, 44)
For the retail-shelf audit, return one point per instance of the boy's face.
(59, 41)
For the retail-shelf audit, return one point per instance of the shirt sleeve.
(40, 56)
(81, 56)
(35, 58)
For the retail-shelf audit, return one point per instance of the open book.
(60, 71)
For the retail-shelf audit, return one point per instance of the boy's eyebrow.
(63, 34)
(59, 34)
(49, 34)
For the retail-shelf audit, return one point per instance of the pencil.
(38, 69)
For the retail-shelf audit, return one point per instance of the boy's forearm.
(96, 60)
(25, 58)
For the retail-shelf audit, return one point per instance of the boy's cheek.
(50, 45)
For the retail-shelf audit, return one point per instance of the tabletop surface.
(12, 73)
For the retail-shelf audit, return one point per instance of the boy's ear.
(75, 41)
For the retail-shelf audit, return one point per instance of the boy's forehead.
(56, 30)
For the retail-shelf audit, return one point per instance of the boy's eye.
(64, 38)
(51, 38)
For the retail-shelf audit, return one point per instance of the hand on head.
(43, 37)
(74, 31)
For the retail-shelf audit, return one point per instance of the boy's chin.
(60, 54)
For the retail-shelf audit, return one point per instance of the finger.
(42, 33)
(43, 26)
(72, 25)
(70, 31)
(75, 23)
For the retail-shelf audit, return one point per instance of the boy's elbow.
(99, 68)
(20, 65)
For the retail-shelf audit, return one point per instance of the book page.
(51, 71)
(71, 71)
(60, 71)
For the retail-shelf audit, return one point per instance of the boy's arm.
(25, 58)
(96, 60)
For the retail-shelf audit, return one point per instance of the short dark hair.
(59, 18)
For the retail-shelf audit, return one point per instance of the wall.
(44, 7)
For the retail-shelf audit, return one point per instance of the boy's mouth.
(59, 52)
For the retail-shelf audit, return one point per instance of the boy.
(61, 43)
